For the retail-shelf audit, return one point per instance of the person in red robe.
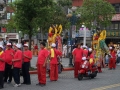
(77, 58)
(41, 64)
(54, 54)
(112, 62)
(2, 66)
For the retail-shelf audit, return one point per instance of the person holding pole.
(54, 54)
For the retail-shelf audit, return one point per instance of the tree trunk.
(41, 34)
(30, 39)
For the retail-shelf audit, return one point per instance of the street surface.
(108, 80)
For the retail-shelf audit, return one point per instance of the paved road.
(108, 80)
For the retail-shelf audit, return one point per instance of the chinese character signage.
(113, 34)
(116, 17)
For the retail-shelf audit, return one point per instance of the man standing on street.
(54, 54)
(41, 64)
(2, 66)
(17, 65)
(9, 52)
(27, 56)
(77, 57)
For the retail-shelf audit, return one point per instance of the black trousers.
(8, 73)
(1, 79)
(16, 75)
(25, 72)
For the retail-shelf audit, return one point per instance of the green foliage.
(31, 14)
(99, 11)
(65, 3)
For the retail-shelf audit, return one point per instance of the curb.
(65, 69)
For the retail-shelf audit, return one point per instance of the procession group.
(12, 60)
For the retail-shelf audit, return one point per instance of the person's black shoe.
(113, 68)
(23, 83)
(42, 85)
(1, 87)
(28, 83)
(8, 82)
(109, 69)
(5, 81)
(38, 84)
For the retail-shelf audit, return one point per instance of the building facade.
(113, 31)
(6, 14)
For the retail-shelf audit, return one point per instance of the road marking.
(107, 87)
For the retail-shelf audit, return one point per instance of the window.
(8, 15)
(1, 7)
(117, 7)
(13, 0)
(108, 28)
(8, 1)
(119, 25)
(112, 26)
(116, 26)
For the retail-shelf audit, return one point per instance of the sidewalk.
(65, 62)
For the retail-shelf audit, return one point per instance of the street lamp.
(73, 19)
(84, 39)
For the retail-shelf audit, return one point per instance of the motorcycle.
(87, 70)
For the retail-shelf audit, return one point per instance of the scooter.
(87, 70)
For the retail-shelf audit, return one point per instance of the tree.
(59, 15)
(33, 14)
(30, 15)
(96, 12)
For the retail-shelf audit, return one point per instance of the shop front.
(113, 38)
(13, 37)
